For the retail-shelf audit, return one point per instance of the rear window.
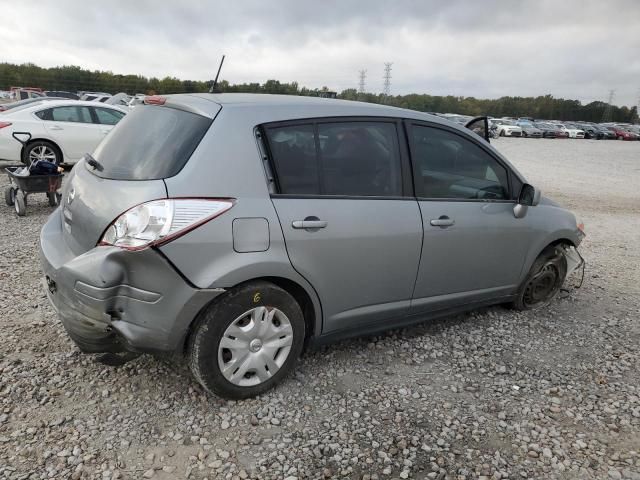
(150, 143)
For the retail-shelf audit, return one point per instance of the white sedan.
(507, 128)
(572, 132)
(61, 131)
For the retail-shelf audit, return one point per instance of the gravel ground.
(490, 394)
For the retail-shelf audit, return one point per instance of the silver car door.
(352, 227)
(474, 247)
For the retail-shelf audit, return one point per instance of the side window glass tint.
(85, 114)
(451, 166)
(108, 117)
(71, 114)
(293, 151)
(360, 159)
(45, 114)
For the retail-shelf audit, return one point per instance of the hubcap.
(42, 152)
(255, 346)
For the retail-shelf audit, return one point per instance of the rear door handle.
(442, 222)
(308, 224)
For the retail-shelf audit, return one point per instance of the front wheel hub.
(543, 286)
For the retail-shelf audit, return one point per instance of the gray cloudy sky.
(487, 48)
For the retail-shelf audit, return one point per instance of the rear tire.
(41, 150)
(9, 196)
(247, 341)
(543, 281)
(20, 203)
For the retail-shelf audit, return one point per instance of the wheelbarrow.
(21, 186)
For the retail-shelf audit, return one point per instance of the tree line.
(73, 78)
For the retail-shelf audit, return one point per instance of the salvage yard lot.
(493, 393)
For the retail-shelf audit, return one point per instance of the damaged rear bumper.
(112, 300)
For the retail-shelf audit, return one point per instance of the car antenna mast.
(213, 88)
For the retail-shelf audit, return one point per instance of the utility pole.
(387, 79)
(608, 111)
(363, 76)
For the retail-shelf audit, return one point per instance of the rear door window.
(293, 150)
(360, 159)
(150, 143)
(67, 114)
(351, 158)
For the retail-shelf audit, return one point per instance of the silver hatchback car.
(237, 229)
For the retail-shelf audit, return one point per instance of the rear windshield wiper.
(93, 162)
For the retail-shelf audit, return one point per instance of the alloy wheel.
(42, 152)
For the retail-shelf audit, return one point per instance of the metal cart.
(20, 187)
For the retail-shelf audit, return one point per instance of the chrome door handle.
(308, 224)
(55, 127)
(442, 222)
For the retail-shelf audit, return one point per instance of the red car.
(622, 134)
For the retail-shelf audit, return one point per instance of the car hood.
(547, 201)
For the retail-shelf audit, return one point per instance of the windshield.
(150, 143)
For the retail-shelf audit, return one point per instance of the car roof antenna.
(214, 88)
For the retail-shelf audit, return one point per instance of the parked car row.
(531, 128)
(17, 94)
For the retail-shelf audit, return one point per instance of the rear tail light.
(5, 124)
(154, 100)
(160, 221)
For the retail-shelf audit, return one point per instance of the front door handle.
(309, 223)
(442, 222)
(55, 127)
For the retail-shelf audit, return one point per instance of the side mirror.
(529, 197)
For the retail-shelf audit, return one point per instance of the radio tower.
(363, 76)
(606, 116)
(387, 79)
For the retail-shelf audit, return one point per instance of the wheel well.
(560, 241)
(555, 243)
(291, 287)
(303, 299)
(53, 144)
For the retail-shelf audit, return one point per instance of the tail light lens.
(160, 221)
(5, 124)
(154, 100)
